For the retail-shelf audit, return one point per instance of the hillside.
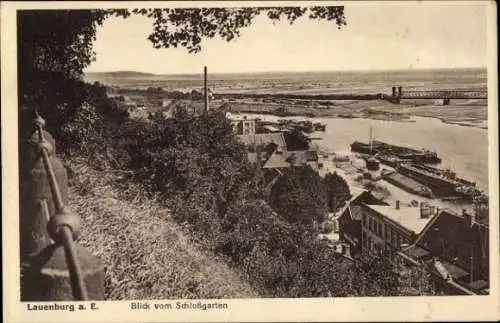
(146, 255)
(118, 74)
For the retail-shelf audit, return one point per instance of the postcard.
(218, 161)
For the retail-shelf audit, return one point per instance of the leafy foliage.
(186, 27)
(300, 196)
(337, 191)
(53, 49)
(296, 140)
(55, 46)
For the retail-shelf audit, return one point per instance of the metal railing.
(64, 226)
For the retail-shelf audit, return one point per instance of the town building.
(349, 219)
(170, 108)
(281, 159)
(252, 141)
(385, 229)
(242, 125)
(270, 129)
(455, 250)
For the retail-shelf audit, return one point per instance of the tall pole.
(371, 140)
(206, 89)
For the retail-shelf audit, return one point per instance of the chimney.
(397, 205)
(393, 92)
(400, 91)
(206, 88)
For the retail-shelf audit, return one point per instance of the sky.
(381, 37)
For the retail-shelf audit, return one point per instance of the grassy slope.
(145, 254)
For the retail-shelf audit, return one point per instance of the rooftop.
(271, 128)
(407, 217)
(263, 139)
(291, 158)
(239, 117)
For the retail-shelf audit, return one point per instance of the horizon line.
(299, 71)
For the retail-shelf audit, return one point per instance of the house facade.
(349, 219)
(455, 249)
(385, 229)
(242, 125)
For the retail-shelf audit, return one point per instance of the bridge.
(445, 95)
(397, 95)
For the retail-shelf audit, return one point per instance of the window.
(364, 219)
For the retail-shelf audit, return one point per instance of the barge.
(443, 183)
(406, 183)
(405, 153)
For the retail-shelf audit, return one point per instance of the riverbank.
(463, 149)
(350, 110)
(458, 114)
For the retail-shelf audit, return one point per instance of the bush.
(202, 173)
(300, 196)
(337, 191)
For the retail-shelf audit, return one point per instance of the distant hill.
(118, 74)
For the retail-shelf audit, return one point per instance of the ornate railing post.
(53, 266)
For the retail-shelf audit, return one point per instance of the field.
(466, 112)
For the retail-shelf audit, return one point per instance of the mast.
(371, 141)
(205, 88)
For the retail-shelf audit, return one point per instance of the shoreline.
(404, 118)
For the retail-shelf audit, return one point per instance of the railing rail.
(63, 227)
(44, 185)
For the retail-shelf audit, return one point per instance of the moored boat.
(443, 183)
(379, 147)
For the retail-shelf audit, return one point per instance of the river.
(462, 149)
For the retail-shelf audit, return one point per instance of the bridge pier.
(396, 96)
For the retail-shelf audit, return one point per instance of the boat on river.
(406, 183)
(442, 182)
(404, 153)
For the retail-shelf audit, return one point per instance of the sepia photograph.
(178, 156)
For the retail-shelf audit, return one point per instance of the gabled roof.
(356, 213)
(459, 245)
(294, 158)
(263, 139)
(460, 239)
(271, 128)
(356, 194)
